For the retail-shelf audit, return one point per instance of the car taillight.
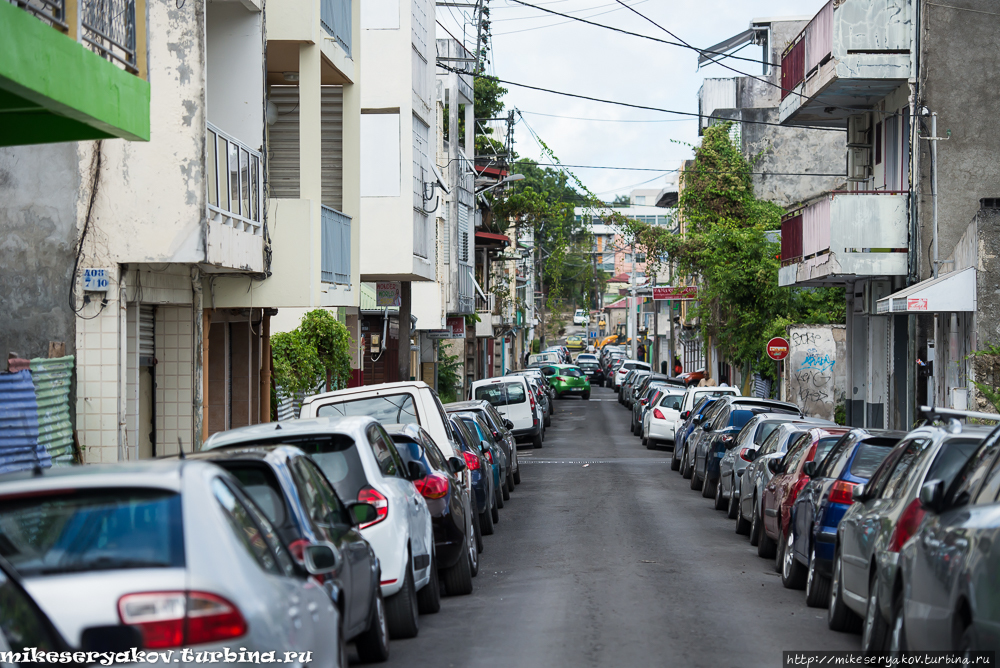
(471, 461)
(745, 454)
(176, 618)
(489, 455)
(433, 486)
(377, 499)
(727, 439)
(532, 397)
(657, 414)
(799, 484)
(298, 548)
(842, 492)
(907, 525)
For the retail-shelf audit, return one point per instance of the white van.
(543, 358)
(512, 396)
(580, 317)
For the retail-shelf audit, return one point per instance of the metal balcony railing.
(235, 180)
(106, 27)
(808, 50)
(335, 16)
(335, 265)
(486, 305)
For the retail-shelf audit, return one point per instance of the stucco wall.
(38, 192)
(816, 368)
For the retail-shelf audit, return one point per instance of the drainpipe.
(934, 187)
(197, 394)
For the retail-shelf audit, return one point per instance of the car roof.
(164, 474)
(766, 403)
(272, 451)
(472, 404)
(369, 389)
(410, 430)
(348, 425)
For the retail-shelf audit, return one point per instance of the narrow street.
(615, 563)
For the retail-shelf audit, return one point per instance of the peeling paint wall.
(38, 191)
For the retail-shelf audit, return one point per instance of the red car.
(789, 479)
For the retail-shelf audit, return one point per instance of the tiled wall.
(174, 378)
(97, 345)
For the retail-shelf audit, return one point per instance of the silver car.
(175, 548)
(738, 457)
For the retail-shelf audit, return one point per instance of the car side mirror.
(685, 414)
(750, 455)
(508, 424)
(932, 495)
(416, 470)
(774, 465)
(112, 639)
(858, 494)
(457, 464)
(321, 558)
(810, 469)
(362, 513)
(707, 428)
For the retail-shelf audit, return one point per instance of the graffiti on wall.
(815, 370)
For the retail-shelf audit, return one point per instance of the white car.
(627, 365)
(543, 358)
(513, 398)
(580, 317)
(175, 548)
(659, 420)
(362, 464)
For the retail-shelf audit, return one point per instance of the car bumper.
(388, 540)
(661, 430)
(527, 434)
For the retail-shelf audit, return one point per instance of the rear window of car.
(572, 373)
(387, 409)
(340, 463)
(501, 394)
(739, 418)
(260, 484)
(867, 459)
(589, 365)
(672, 401)
(952, 457)
(823, 447)
(92, 530)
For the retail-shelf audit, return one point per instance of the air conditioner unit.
(857, 131)
(859, 164)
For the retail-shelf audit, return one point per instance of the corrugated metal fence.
(35, 426)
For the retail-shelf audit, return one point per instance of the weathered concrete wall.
(38, 205)
(988, 278)
(816, 368)
(959, 78)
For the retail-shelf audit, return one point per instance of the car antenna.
(277, 426)
(180, 448)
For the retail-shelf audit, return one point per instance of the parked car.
(694, 394)
(592, 369)
(647, 392)
(945, 594)
(627, 395)
(658, 423)
(587, 357)
(686, 423)
(302, 506)
(576, 342)
(569, 379)
(174, 548)
(720, 435)
(513, 398)
(780, 494)
(494, 457)
(501, 428)
(738, 457)
(580, 317)
(536, 372)
(480, 479)
(448, 503)
(822, 503)
(360, 459)
(623, 369)
(882, 519)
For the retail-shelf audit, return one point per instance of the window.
(93, 530)
(951, 458)
(796, 452)
(248, 534)
(878, 143)
(501, 394)
(770, 444)
(384, 454)
(764, 430)
(894, 482)
(318, 498)
(640, 200)
(262, 487)
(823, 448)
(339, 461)
(21, 622)
(867, 460)
(388, 409)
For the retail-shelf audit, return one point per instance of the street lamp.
(504, 181)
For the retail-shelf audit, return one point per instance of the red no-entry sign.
(777, 348)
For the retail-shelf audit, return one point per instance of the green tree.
(332, 342)
(621, 201)
(297, 366)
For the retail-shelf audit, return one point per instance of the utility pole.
(631, 307)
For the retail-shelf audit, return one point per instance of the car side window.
(796, 451)
(826, 469)
(21, 623)
(434, 455)
(383, 455)
(894, 482)
(991, 486)
(317, 496)
(247, 531)
(770, 444)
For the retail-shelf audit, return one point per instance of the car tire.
(838, 616)
(486, 521)
(495, 510)
(755, 524)
(766, 546)
(875, 630)
(742, 524)
(548, 420)
(510, 483)
(477, 531)
(686, 471)
(817, 585)
(734, 502)
(517, 476)
(401, 609)
(458, 578)
(342, 647)
(505, 489)
(696, 482)
(536, 440)
(429, 596)
(707, 491)
(897, 632)
(559, 396)
(675, 462)
(498, 493)
(373, 643)
(793, 573)
(720, 501)
(586, 395)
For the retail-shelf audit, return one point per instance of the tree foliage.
(303, 356)
(332, 342)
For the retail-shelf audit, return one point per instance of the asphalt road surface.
(605, 557)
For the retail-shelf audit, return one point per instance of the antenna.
(180, 447)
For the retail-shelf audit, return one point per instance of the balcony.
(72, 70)
(336, 241)
(335, 16)
(235, 202)
(851, 55)
(843, 236)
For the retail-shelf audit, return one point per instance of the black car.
(502, 432)
(594, 372)
(449, 504)
(481, 476)
(296, 496)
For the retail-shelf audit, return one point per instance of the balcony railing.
(106, 27)
(466, 289)
(808, 50)
(335, 16)
(335, 266)
(488, 305)
(234, 175)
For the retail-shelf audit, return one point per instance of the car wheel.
(720, 501)
(707, 491)
(536, 440)
(429, 597)
(586, 395)
(675, 462)
(505, 489)
(486, 521)
(342, 648)
(458, 578)
(686, 470)
(793, 574)
(734, 501)
(766, 546)
(373, 644)
(401, 608)
(478, 533)
(897, 634)
(510, 483)
(755, 524)
(838, 616)
(548, 420)
(696, 482)
(874, 633)
(498, 494)
(817, 586)
(495, 511)
(517, 476)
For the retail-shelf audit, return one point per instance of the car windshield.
(868, 458)
(588, 365)
(92, 530)
(388, 409)
(764, 431)
(501, 394)
(340, 462)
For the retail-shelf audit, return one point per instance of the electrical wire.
(559, 23)
(684, 171)
(568, 11)
(612, 120)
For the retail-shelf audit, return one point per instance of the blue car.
(479, 477)
(822, 503)
(494, 454)
(690, 423)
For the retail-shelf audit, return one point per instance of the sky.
(539, 49)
